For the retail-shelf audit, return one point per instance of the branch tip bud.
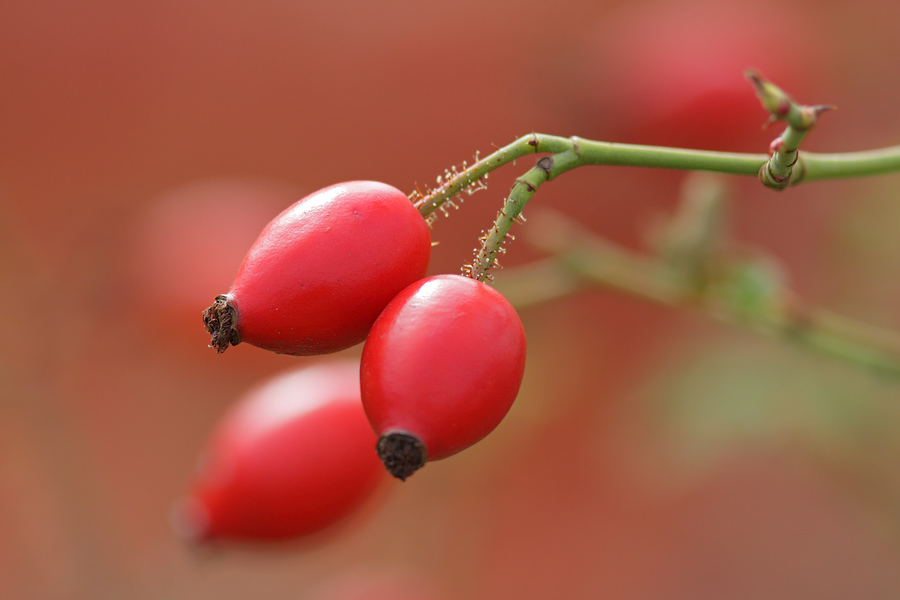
(773, 98)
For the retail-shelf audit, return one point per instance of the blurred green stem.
(777, 313)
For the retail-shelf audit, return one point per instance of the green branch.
(568, 153)
(818, 167)
(742, 292)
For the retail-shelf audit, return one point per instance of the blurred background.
(651, 453)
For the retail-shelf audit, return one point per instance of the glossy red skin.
(292, 458)
(443, 363)
(322, 271)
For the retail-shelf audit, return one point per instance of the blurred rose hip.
(672, 73)
(292, 457)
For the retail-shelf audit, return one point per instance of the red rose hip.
(293, 457)
(322, 271)
(440, 369)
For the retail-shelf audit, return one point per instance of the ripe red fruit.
(293, 457)
(322, 271)
(440, 369)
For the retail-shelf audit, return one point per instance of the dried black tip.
(401, 453)
(219, 320)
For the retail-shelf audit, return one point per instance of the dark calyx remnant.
(219, 322)
(401, 454)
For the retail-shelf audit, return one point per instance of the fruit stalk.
(580, 152)
(569, 153)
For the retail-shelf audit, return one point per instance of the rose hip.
(322, 271)
(440, 369)
(292, 457)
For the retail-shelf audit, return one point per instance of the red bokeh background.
(651, 454)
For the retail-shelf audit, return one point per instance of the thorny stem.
(589, 258)
(569, 153)
(580, 152)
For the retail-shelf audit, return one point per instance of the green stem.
(835, 335)
(577, 251)
(574, 152)
(580, 151)
(818, 167)
(492, 242)
(569, 153)
(452, 184)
